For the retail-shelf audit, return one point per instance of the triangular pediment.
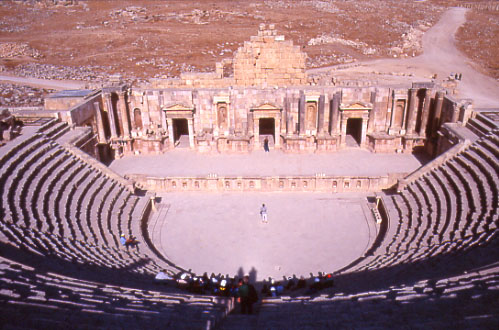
(356, 106)
(266, 107)
(178, 107)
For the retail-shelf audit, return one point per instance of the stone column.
(124, 114)
(98, 118)
(320, 115)
(391, 128)
(363, 132)
(301, 113)
(164, 125)
(277, 137)
(256, 132)
(216, 129)
(426, 112)
(389, 113)
(170, 132)
(251, 123)
(190, 126)
(147, 122)
(372, 113)
(343, 133)
(438, 112)
(286, 114)
(335, 113)
(404, 118)
(411, 116)
(110, 114)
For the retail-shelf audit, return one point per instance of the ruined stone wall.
(269, 91)
(84, 113)
(61, 103)
(268, 59)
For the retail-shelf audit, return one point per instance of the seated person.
(301, 283)
(123, 239)
(131, 241)
(162, 277)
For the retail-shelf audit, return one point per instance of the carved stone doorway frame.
(354, 110)
(266, 111)
(179, 111)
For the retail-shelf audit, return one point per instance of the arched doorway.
(354, 131)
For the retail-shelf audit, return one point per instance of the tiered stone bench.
(53, 203)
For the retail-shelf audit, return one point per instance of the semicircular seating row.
(54, 203)
(57, 208)
(449, 209)
(437, 266)
(34, 299)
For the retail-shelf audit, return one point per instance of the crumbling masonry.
(265, 96)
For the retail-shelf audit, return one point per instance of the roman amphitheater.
(389, 184)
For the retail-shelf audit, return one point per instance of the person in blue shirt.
(123, 239)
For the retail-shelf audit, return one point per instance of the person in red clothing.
(131, 241)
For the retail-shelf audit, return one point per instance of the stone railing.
(454, 150)
(75, 151)
(215, 183)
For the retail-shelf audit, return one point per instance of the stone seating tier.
(80, 208)
(450, 208)
(57, 301)
(60, 208)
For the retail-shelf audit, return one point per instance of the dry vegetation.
(479, 40)
(151, 38)
(162, 38)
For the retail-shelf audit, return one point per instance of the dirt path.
(440, 56)
(44, 83)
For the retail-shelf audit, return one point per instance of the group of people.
(241, 289)
(316, 283)
(456, 76)
(130, 241)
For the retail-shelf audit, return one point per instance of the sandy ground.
(440, 56)
(223, 233)
(146, 38)
(351, 162)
